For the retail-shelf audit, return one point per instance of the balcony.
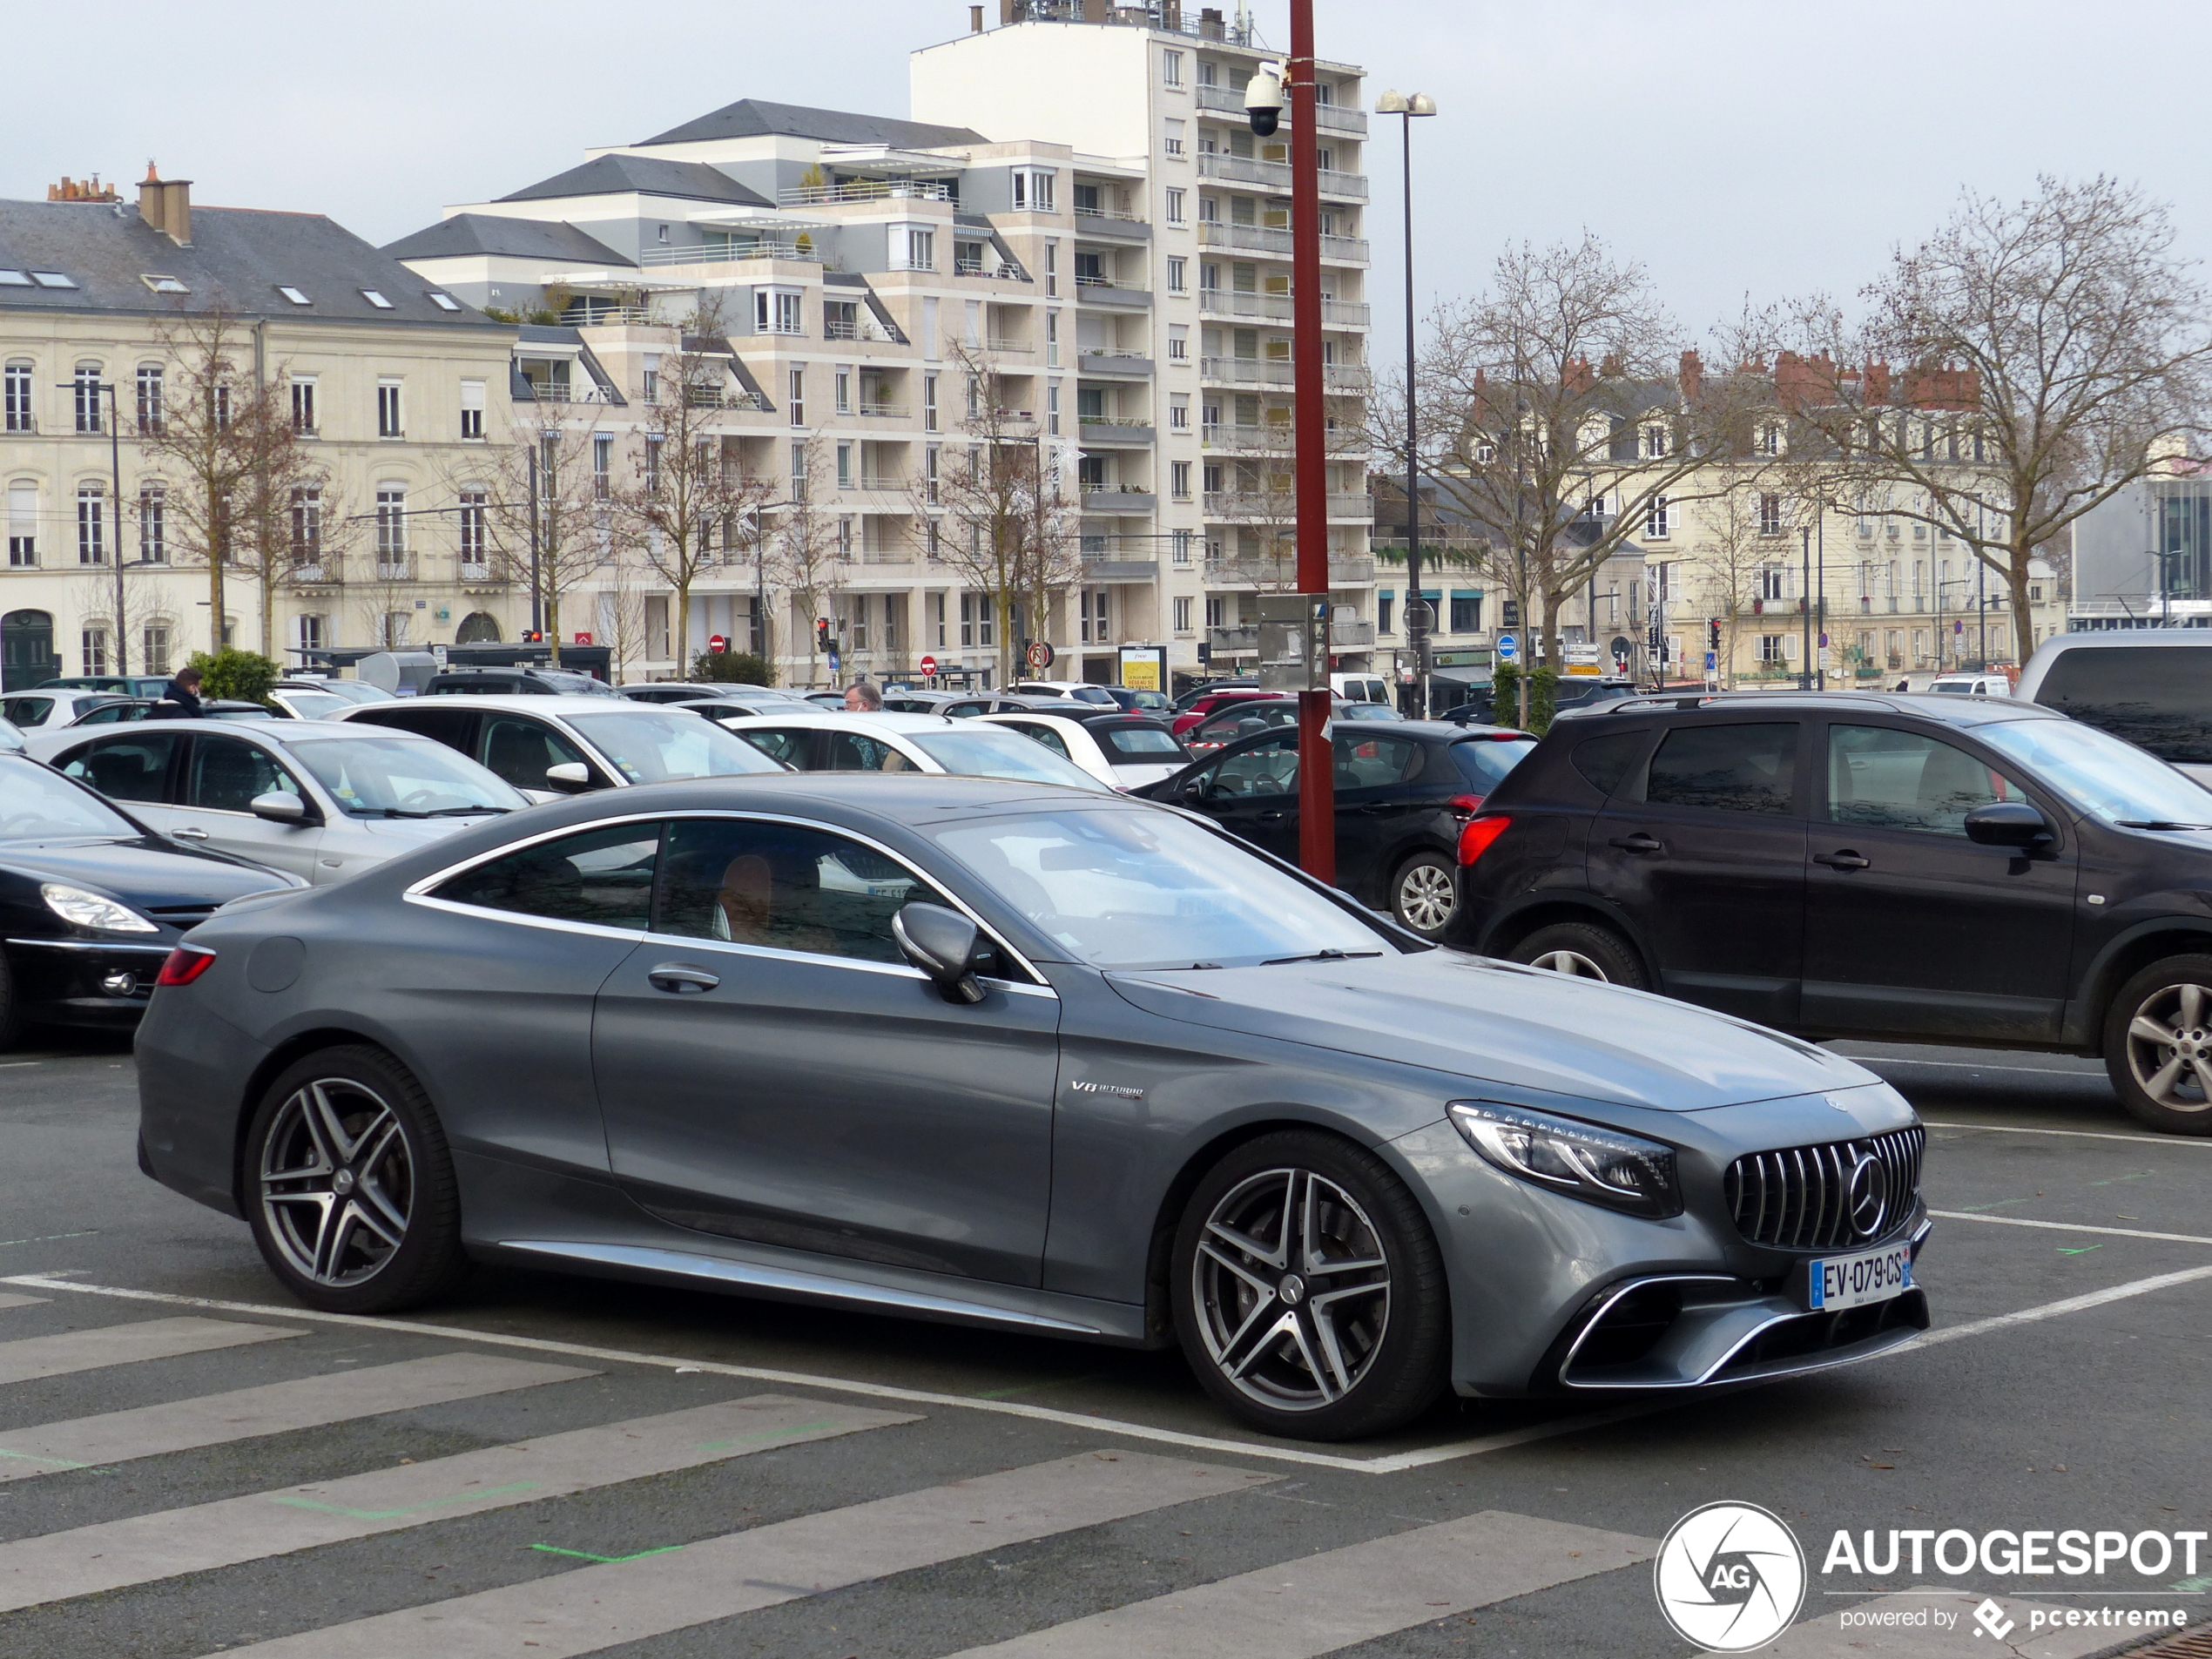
(864, 190)
(1270, 239)
(1344, 571)
(1103, 291)
(1276, 175)
(1328, 117)
(868, 409)
(1120, 565)
(560, 392)
(733, 253)
(1228, 506)
(1278, 307)
(1007, 346)
(1245, 371)
(1113, 430)
(1109, 499)
(1093, 224)
(1116, 365)
(880, 484)
(996, 268)
(1225, 439)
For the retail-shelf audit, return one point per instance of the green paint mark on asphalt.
(2117, 1179)
(394, 1514)
(1030, 1388)
(2080, 1249)
(54, 1462)
(608, 1561)
(2000, 1204)
(764, 1435)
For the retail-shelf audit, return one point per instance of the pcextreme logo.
(1730, 1577)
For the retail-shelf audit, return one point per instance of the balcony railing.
(1269, 239)
(1328, 117)
(998, 268)
(1272, 440)
(561, 392)
(884, 483)
(1246, 371)
(1276, 174)
(1006, 346)
(1344, 571)
(865, 329)
(732, 253)
(584, 315)
(1112, 362)
(868, 409)
(1278, 307)
(865, 190)
(1112, 214)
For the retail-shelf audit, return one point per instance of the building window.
(775, 310)
(1172, 141)
(149, 397)
(476, 542)
(86, 386)
(1179, 475)
(1179, 413)
(1052, 409)
(842, 383)
(1655, 516)
(1033, 190)
(1175, 217)
(1769, 513)
(472, 410)
(1091, 604)
(91, 525)
(913, 248)
(653, 442)
(94, 642)
(798, 398)
(153, 648)
(978, 622)
(932, 465)
(1052, 270)
(1770, 647)
(153, 524)
(391, 532)
(798, 469)
(1385, 613)
(23, 527)
(311, 633)
(1170, 69)
(14, 399)
(1466, 613)
(1654, 443)
(1183, 614)
(306, 527)
(303, 405)
(1052, 340)
(845, 466)
(1179, 342)
(603, 465)
(1179, 544)
(388, 410)
(1179, 268)
(930, 403)
(1772, 582)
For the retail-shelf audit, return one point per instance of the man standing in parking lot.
(179, 699)
(862, 697)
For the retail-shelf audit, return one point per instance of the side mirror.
(570, 777)
(943, 944)
(1193, 789)
(2008, 823)
(278, 807)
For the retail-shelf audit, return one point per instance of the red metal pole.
(1317, 769)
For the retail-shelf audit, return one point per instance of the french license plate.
(1838, 1282)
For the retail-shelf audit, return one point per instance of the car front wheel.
(1310, 1295)
(1583, 950)
(2158, 1045)
(349, 1187)
(1424, 894)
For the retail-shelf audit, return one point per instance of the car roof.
(1950, 710)
(884, 720)
(2107, 638)
(525, 703)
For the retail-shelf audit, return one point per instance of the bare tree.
(2053, 351)
(620, 614)
(550, 522)
(1560, 417)
(689, 484)
(801, 552)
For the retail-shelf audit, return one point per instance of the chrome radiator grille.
(1826, 1197)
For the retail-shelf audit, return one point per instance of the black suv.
(1963, 870)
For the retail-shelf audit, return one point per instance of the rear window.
(1725, 768)
(1485, 761)
(1141, 746)
(2158, 697)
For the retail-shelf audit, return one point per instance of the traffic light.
(533, 637)
(1712, 633)
(822, 634)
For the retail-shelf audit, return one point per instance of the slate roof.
(644, 175)
(237, 258)
(752, 117)
(522, 239)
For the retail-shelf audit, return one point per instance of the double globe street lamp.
(1418, 620)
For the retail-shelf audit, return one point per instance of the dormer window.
(53, 279)
(165, 284)
(376, 299)
(294, 295)
(14, 279)
(445, 302)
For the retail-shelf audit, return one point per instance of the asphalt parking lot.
(550, 1465)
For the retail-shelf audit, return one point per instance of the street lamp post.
(1418, 621)
(1805, 604)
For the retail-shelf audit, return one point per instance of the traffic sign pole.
(1317, 770)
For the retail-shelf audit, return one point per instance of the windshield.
(1141, 745)
(650, 745)
(1952, 685)
(36, 805)
(2100, 774)
(1151, 889)
(380, 776)
(1485, 761)
(355, 692)
(994, 751)
(315, 706)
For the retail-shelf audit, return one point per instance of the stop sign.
(716, 643)
(929, 666)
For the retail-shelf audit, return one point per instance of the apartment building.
(1073, 243)
(396, 388)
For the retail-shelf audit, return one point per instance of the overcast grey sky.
(1733, 147)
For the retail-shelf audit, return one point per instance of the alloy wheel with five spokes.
(2170, 1047)
(337, 1181)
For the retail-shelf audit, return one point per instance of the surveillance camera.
(1263, 100)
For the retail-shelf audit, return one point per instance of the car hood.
(1515, 1026)
(143, 872)
(416, 832)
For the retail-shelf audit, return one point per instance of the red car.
(1213, 702)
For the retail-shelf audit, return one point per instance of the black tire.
(352, 1124)
(2165, 1083)
(10, 1022)
(1391, 1324)
(1418, 886)
(1595, 951)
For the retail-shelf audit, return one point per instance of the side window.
(228, 772)
(134, 768)
(1889, 779)
(784, 886)
(522, 751)
(1047, 736)
(1370, 763)
(792, 745)
(1725, 768)
(1604, 761)
(1269, 769)
(604, 876)
(855, 752)
(25, 711)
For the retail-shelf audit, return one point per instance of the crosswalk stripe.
(1320, 1603)
(144, 1549)
(9, 1299)
(599, 1607)
(1940, 1624)
(28, 1358)
(272, 1408)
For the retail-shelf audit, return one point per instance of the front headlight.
(90, 910)
(1606, 1166)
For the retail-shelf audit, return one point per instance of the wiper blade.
(463, 811)
(1329, 955)
(386, 811)
(2157, 824)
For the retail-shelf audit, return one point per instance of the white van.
(1987, 685)
(1361, 688)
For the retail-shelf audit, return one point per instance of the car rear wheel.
(1424, 894)
(349, 1187)
(1583, 950)
(2158, 1045)
(1310, 1296)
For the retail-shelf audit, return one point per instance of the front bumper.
(83, 981)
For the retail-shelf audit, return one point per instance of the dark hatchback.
(1404, 791)
(1942, 869)
(91, 902)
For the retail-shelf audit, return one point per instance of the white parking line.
(2053, 1310)
(21, 1301)
(2071, 1227)
(2079, 1134)
(124, 1345)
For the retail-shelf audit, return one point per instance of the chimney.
(152, 199)
(1693, 376)
(975, 20)
(166, 203)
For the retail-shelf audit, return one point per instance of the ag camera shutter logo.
(1730, 1577)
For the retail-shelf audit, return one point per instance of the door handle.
(1275, 815)
(1637, 843)
(1845, 859)
(188, 835)
(681, 978)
